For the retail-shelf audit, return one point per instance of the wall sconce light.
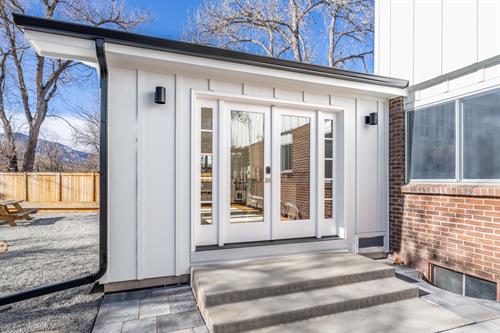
(372, 119)
(160, 95)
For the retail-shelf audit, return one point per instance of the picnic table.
(11, 211)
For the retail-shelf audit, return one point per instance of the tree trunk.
(9, 139)
(29, 154)
(331, 41)
(294, 11)
(34, 132)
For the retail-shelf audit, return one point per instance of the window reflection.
(247, 167)
(328, 127)
(206, 165)
(295, 168)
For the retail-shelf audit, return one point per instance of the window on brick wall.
(455, 141)
(481, 136)
(463, 284)
(431, 142)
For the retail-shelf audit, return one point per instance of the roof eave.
(137, 40)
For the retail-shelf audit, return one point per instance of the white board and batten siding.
(141, 177)
(150, 163)
(428, 41)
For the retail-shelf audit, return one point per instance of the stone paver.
(170, 309)
(108, 328)
(121, 311)
(153, 307)
(179, 321)
(140, 325)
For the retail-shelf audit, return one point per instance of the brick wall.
(456, 226)
(295, 185)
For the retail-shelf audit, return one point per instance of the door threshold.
(265, 243)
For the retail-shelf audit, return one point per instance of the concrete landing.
(244, 280)
(310, 293)
(408, 316)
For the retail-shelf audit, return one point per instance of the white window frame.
(459, 162)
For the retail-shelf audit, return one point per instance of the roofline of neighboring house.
(492, 61)
(167, 45)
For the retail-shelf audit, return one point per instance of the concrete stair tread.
(270, 273)
(306, 304)
(410, 316)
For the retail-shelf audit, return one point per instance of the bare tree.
(287, 28)
(86, 134)
(50, 157)
(8, 149)
(37, 78)
(273, 27)
(350, 27)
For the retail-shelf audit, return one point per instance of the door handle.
(267, 177)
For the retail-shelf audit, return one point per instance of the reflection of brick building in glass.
(247, 167)
(295, 172)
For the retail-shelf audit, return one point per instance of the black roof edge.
(156, 43)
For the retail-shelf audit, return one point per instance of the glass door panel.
(247, 167)
(246, 200)
(205, 174)
(294, 180)
(295, 175)
(327, 137)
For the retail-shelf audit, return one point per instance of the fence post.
(60, 187)
(26, 197)
(94, 186)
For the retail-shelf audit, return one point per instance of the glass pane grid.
(206, 162)
(328, 174)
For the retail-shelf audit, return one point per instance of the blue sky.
(169, 17)
(167, 21)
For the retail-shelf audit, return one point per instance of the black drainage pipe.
(103, 197)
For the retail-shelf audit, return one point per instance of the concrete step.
(268, 311)
(246, 280)
(409, 316)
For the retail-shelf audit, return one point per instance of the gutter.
(154, 43)
(103, 198)
(486, 63)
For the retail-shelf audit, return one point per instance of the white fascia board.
(248, 72)
(53, 45)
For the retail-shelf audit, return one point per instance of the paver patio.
(170, 309)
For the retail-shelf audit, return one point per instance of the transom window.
(455, 141)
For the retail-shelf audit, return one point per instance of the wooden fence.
(50, 187)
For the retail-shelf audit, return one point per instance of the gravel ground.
(52, 248)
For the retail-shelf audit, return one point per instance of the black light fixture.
(160, 95)
(372, 119)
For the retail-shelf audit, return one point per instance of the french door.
(294, 173)
(246, 176)
(267, 173)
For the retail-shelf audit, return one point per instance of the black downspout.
(103, 197)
